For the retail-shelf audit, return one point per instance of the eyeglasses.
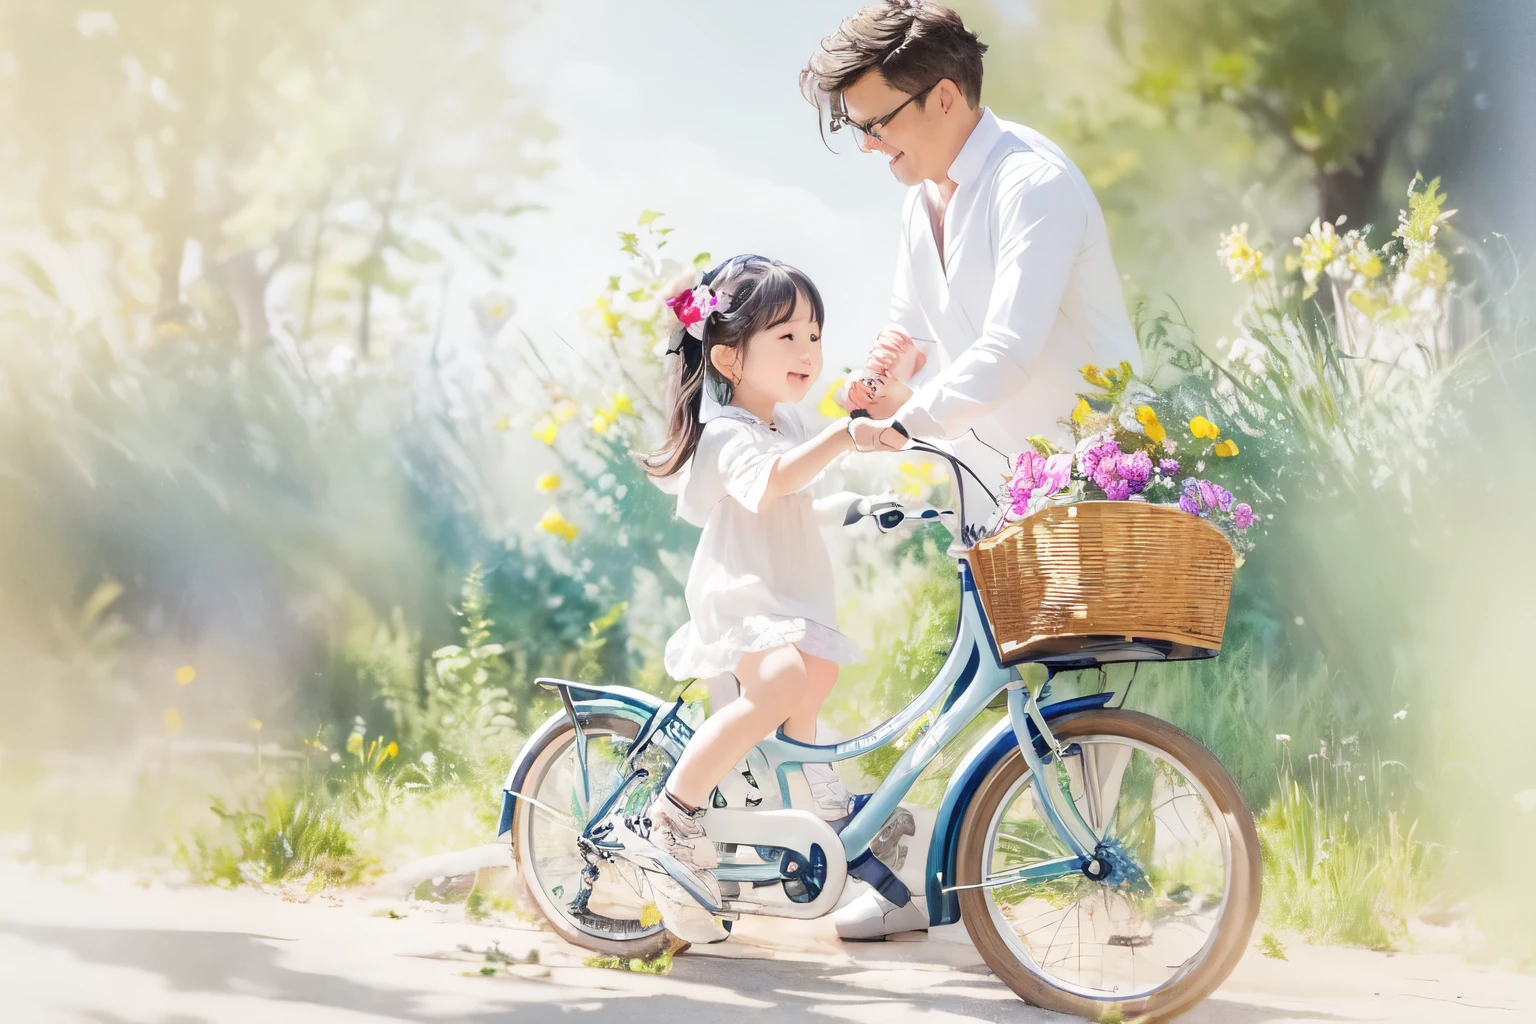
(870, 129)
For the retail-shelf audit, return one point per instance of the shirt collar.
(736, 412)
(973, 155)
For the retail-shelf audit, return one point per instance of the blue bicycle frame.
(971, 677)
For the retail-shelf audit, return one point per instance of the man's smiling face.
(911, 140)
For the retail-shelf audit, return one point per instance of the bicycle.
(1101, 859)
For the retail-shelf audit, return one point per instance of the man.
(1005, 286)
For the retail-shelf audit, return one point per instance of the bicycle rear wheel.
(544, 838)
(1174, 916)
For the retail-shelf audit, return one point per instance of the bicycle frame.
(971, 677)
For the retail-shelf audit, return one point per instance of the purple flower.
(1117, 490)
(1207, 492)
(1189, 503)
(1092, 461)
(1168, 465)
(1135, 468)
(1242, 515)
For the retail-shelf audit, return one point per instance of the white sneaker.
(678, 838)
(682, 914)
(872, 917)
(827, 791)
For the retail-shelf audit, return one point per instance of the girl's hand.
(895, 355)
(876, 436)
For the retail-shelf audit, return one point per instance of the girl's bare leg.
(777, 687)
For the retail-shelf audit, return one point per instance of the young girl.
(760, 597)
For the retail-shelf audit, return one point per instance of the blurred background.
(326, 329)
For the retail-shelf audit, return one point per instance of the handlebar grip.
(896, 426)
(859, 414)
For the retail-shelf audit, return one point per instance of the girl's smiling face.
(780, 363)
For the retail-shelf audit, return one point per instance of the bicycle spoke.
(1096, 937)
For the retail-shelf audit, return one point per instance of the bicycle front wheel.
(1173, 916)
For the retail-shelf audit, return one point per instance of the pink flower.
(1035, 476)
(693, 307)
(1168, 465)
(1117, 490)
(683, 307)
(1057, 473)
(1242, 515)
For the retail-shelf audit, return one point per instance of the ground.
(110, 948)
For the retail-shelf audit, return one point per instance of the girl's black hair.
(763, 293)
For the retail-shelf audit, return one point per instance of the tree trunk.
(1354, 192)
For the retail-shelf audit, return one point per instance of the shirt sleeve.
(733, 459)
(1041, 221)
(905, 312)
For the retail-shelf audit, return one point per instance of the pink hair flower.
(694, 306)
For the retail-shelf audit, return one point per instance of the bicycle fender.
(943, 849)
(626, 702)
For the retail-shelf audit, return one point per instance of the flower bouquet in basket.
(1124, 453)
(1122, 548)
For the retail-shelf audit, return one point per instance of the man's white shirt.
(1026, 294)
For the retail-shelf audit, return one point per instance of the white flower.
(1249, 354)
(1283, 737)
(1401, 715)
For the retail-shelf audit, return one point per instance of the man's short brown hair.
(914, 44)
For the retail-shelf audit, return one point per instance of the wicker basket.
(1072, 580)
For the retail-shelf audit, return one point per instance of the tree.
(1343, 85)
(333, 148)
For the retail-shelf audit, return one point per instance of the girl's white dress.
(761, 577)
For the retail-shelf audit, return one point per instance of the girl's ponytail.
(685, 395)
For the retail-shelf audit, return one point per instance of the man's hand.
(876, 436)
(885, 402)
(895, 356)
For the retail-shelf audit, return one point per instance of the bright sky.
(697, 114)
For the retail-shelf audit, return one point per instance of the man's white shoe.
(872, 917)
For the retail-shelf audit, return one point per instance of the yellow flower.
(172, 719)
(1239, 256)
(621, 405)
(1202, 427)
(601, 421)
(1149, 422)
(650, 914)
(695, 690)
(555, 523)
(1226, 449)
(918, 477)
(1082, 412)
(1319, 247)
(392, 750)
(607, 319)
(1093, 375)
(256, 724)
(548, 482)
(829, 407)
(546, 429)
(185, 675)
(504, 422)
(1361, 258)
(355, 744)
(564, 411)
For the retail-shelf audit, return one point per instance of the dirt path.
(107, 949)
